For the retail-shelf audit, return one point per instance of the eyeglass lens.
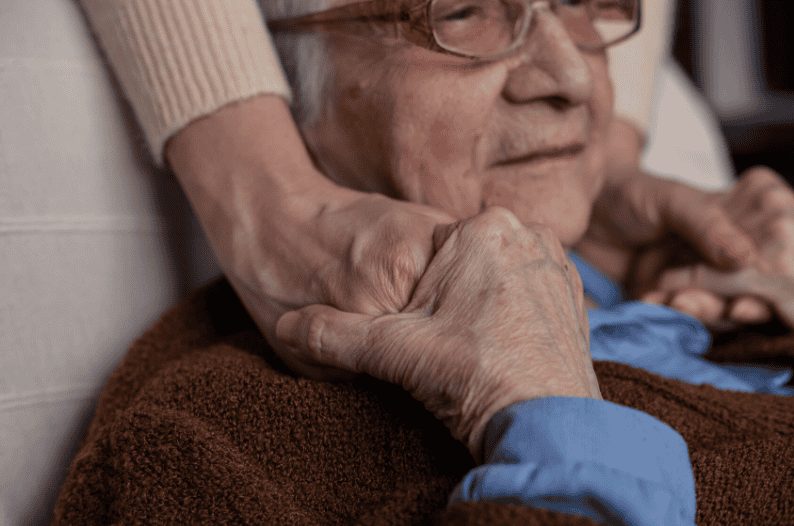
(488, 27)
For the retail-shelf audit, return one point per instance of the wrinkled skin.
(497, 318)
(288, 243)
(527, 132)
(762, 206)
(530, 133)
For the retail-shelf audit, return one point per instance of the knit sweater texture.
(179, 60)
(201, 424)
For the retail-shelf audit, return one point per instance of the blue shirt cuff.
(586, 457)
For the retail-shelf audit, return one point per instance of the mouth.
(547, 154)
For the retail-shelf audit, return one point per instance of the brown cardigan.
(201, 425)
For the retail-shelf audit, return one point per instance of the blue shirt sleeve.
(587, 457)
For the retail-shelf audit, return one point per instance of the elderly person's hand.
(498, 318)
(651, 234)
(286, 242)
(762, 205)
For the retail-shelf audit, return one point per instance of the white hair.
(303, 55)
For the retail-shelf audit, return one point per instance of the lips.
(557, 152)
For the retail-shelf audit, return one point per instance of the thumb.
(722, 243)
(323, 335)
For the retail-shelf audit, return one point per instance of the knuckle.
(495, 229)
(760, 176)
(501, 217)
(315, 326)
(400, 269)
(782, 227)
(542, 239)
(777, 198)
(543, 233)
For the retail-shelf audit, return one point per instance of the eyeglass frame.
(336, 15)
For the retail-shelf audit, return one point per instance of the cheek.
(554, 202)
(437, 139)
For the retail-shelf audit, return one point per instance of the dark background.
(765, 138)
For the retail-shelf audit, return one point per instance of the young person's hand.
(285, 235)
(497, 318)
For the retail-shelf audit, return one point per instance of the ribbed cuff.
(179, 60)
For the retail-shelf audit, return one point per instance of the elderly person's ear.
(497, 318)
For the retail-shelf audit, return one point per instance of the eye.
(460, 14)
(444, 11)
(477, 27)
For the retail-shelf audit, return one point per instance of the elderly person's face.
(526, 131)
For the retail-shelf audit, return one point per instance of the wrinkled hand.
(497, 318)
(640, 212)
(644, 225)
(364, 254)
(762, 205)
(285, 235)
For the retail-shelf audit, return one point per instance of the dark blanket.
(202, 425)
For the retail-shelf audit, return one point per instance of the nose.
(549, 65)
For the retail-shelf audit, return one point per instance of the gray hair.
(303, 55)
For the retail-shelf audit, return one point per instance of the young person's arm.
(208, 91)
(285, 235)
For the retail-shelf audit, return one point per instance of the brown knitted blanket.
(201, 425)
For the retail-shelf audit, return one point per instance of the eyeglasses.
(483, 29)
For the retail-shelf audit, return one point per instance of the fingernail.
(656, 298)
(747, 312)
(685, 305)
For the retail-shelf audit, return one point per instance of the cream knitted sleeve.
(178, 60)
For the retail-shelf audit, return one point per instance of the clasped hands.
(473, 315)
(498, 315)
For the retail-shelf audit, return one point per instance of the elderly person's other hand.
(651, 234)
(285, 244)
(762, 205)
(498, 318)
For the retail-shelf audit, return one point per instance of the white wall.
(94, 244)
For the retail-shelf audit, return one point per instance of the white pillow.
(94, 245)
(685, 141)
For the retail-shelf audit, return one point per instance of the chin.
(569, 228)
(554, 202)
